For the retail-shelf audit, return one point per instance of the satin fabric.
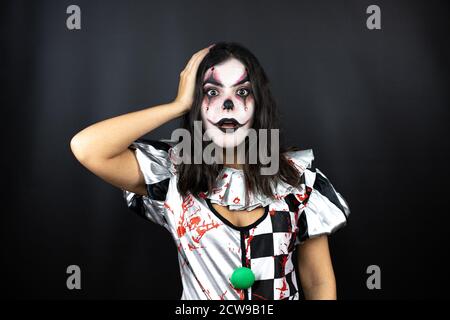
(210, 248)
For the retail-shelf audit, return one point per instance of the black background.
(372, 104)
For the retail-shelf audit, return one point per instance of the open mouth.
(228, 125)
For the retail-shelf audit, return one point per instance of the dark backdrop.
(373, 105)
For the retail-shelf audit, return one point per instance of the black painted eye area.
(212, 92)
(243, 92)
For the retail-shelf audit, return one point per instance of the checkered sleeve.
(154, 163)
(324, 210)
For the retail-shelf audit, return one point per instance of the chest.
(239, 218)
(200, 218)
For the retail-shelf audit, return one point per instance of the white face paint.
(228, 104)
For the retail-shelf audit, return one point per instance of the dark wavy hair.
(197, 178)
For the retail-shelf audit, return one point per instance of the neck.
(232, 163)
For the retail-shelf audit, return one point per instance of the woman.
(235, 226)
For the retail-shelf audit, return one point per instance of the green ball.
(242, 278)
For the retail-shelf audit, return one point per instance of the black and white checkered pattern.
(271, 245)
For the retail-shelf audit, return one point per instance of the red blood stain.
(206, 292)
(282, 289)
(216, 190)
(236, 200)
(183, 264)
(283, 262)
(195, 220)
(258, 296)
(202, 195)
(201, 230)
(224, 176)
(186, 262)
(247, 247)
(302, 197)
(188, 202)
(296, 214)
(231, 249)
(181, 231)
(194, 223)
(200, 226)
(240, 292)
(168, 207)
(223, 295)
(192, 247)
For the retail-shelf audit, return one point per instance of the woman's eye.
(243, 92)
(212, 92)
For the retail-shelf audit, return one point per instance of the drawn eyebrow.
(214, 82)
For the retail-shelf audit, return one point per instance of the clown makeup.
(228, 103)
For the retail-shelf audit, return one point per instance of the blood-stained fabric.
(210, 247)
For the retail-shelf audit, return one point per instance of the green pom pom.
(242, 278)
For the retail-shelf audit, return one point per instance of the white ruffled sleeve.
(155, 165)
(322, 209)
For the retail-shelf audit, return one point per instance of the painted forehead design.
(213, 79)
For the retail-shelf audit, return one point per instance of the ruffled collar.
(230, 189)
